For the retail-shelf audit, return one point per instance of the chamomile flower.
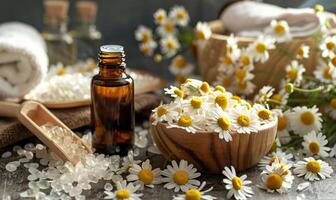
(227, 63)
(244, 121)
(180, 176)
(277, 178)
(281, 97)
(180, 66)
(202, 31)
(143, 34)
(144, 175)
(169, 45)
(160, 16)
(328, 46)
(276, 156)
(312, 169)
(237, 186)
(245, 87)
(179, 15)
(283, 126)
(59, 70)
(280, 30)
(165, 113)
(304, 120)
(186, 122)
(127, 162)
(124, 191)
(265, 115)
(196, 105)
(221, 99)
(246, 59)
(148, 48)
(196, 194)
(302, 52)
(225, 80)
(243, 74)
(175, 92)
(294, 72)
(315, 144)
(232, 47)
(259, 49)
(331, 108)
(264, 94)
(325, 72)
(220, 122)
(167, 28)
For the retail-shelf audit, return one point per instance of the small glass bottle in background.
(87, 37)
(60, 44)
(112, 103)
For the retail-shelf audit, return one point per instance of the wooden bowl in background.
(210, 154)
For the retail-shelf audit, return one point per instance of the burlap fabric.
(12, 131)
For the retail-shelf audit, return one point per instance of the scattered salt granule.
(108, 186)
(11, 167)
(6, 154)
(303, 186)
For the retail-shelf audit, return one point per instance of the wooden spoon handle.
(8, 109)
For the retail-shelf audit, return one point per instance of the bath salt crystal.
(11, 167)
(6, 154)
(29, 155)
(302, 186)
(24, 160)
(108, 187)
(39, 147)
(16, 148)
(29, 147)
(21, 152)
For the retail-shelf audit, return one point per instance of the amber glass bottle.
(112, 108)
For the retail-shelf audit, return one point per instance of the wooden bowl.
(210, 154)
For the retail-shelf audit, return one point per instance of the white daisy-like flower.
(196, 105)
(196, 194)
(280, 31)
(226, 64)
(315, 144)
(144, 175)
(244, 121)
(167, 28)
(180, 176)
(328, 46)
(276, 156)
(186, 122)
(281, 97)
(312, 169)
(277, 178)
(148, 48)
(124, 191)
(331, 108)
(165, 113)
(304, 120)
(180, 66)
(333, 151)
(191, 87)
(225, 80)
(246, 59)
(143, 34)
(220, 122)
(283, 126)
(202, 31)
(232, 47)
(221, 98)
(179, 15)
(237, 186)
(59, 70)
(264, 94)
(175, 92)
(294, 72)
(128, 161)
(265, 115)
(302, 52)
(325, 72)
(160, 16)
(243, 74)
(169, 45)
(245, 87)
(259, 49)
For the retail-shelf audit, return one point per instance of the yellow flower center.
(222, 101)
(307, 118)
(61, 71)
(274, 181)
(185, 121)
(220, 88)
(123, 194)
(169, 27)
(224, 123)
(179, 93)
(292, 74)
(300, 52)
(227, 81)
(279, 29)
(160, 18)
(240, 73)
(146, 37)
(261, 47)
(277, 97)
(181, 177)
(193, 194)
(244, 120)
(196, 102)
(245, 60)
(314, 148)
(146, 176)
(242, 85)
(171, 44)
(248, 105)
(180, 62)
(333, 60)
(282, 123)
(145, 50)
(319, 8)
(264, 114)
(333, 103)
(181, 79)
(237, 98)
(237, 183)
(327, 73)
(161, 111)
(330, 45)
(200, 35)
(313, 166)
(181, 14)
(228, 60)
(205, 87)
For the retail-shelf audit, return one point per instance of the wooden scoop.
(33, 115)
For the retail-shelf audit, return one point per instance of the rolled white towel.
(23, 59)
(249, 18)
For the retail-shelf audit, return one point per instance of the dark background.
(117, 20)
